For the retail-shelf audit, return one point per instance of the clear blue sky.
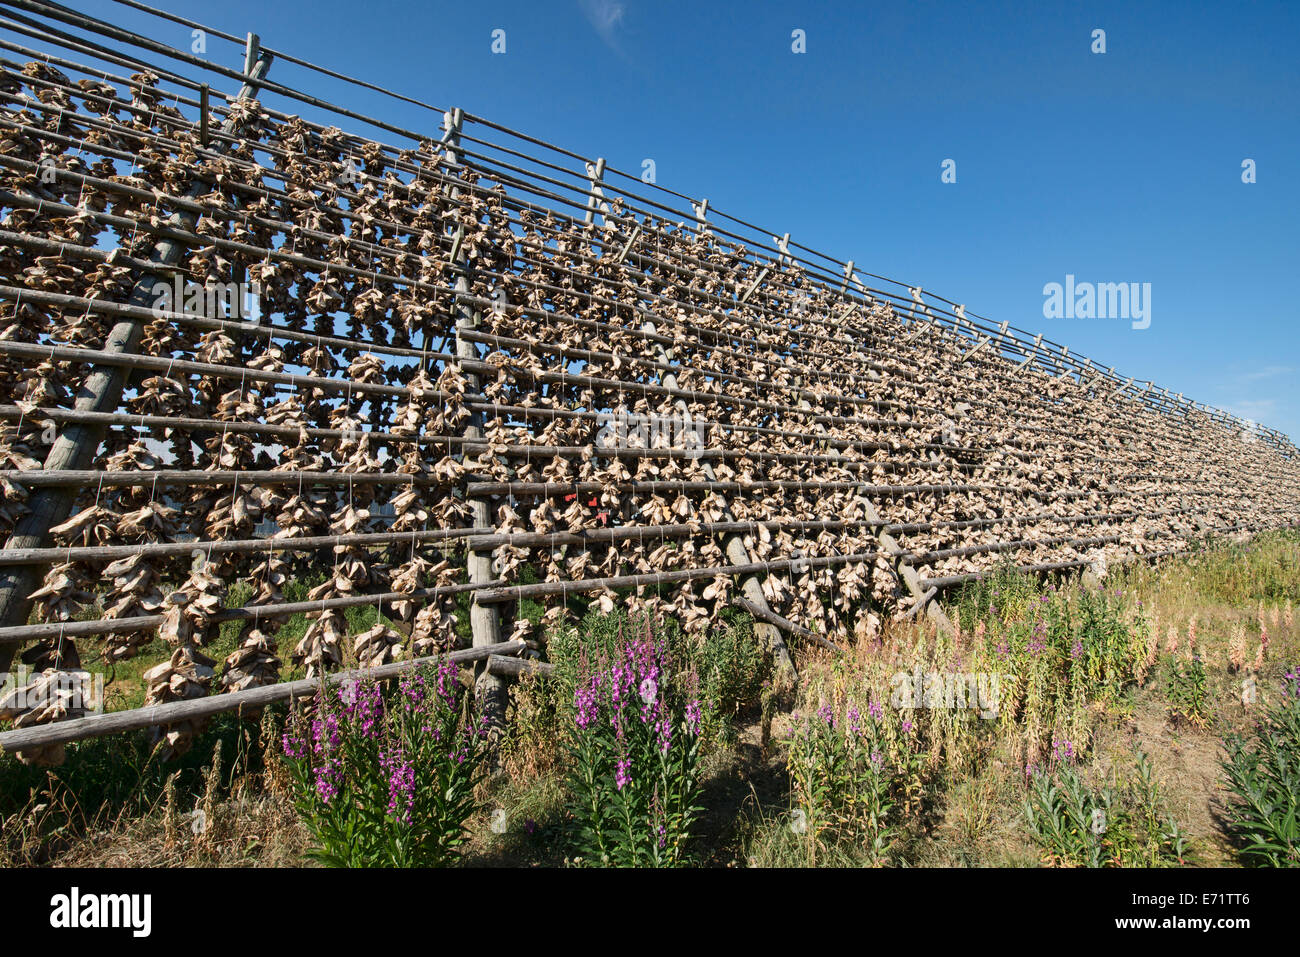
(1116, 167)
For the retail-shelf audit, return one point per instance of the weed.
(1262, 769)
(1111, 825)
(1187, 691)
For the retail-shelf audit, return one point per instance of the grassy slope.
(111, 803)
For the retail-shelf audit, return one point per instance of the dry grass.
(1234, 606)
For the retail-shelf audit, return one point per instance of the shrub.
(1263, 772)
(1113, 825)
(633, 773)
(385, 777)
(1186, 689)
(733, 670)
(846, 777)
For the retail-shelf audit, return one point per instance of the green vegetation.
(1262, 768)
(1109, 825)
(996, 745)
(383, 773)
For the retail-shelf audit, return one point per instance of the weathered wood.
(484, 618)
(496, 595)
(114, 722)
(772, 618)
(229, 546)
(553, 489)
(120, 363)
(919, 604)
(514, 667)
(118, 626)
(100, 391)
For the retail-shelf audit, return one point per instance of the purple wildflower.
(328, 776)
(665, 734)
(294, 746)
(693, 717)
(367, 711)
(401, 783)
(325, 734)
(586, 703)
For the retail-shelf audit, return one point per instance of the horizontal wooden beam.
(114, 722)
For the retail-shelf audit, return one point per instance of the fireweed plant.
(634, 747)
(1187, 689)
(1059, 649)
(1262, 769)
(384, 777)
(1119, 823)
(852, 771)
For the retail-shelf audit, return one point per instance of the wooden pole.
(771, 617)
(514, 667)
(114, 722)
(484, 619)
(101, 391)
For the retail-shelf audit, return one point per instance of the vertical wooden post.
(596, 195)
(733, 543)
(484, 620)
(101, 391)
(905, 574)
(204, 92)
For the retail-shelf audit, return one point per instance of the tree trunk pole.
(733, 546)
(101, 391)
(484, 620)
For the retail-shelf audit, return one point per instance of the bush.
(385, 777)
(1187, 691)
(1263, 772)
(1077, 825)
(733, 670)
(633, 775)
(845, 777)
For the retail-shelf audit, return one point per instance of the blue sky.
(1117, 167)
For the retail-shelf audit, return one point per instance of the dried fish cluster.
(627, 395)
(51, 694)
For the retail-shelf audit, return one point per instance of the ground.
(113, 804)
